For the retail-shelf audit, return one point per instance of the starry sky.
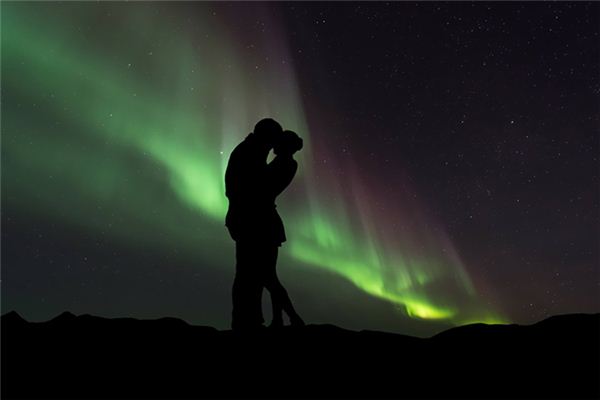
(449, 175)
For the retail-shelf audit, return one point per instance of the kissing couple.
(251, 186)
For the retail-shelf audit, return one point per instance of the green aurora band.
(157, 106)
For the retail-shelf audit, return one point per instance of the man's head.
(288, 143)
(267, 130)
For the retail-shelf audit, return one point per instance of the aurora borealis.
(117, 121)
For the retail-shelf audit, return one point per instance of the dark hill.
(91, 357)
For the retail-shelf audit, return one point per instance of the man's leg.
(272, 284)
(247, 288)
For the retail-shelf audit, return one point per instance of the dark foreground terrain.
(85, 356)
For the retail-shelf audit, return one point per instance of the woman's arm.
(280, 174)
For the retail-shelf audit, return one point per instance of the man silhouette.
(251, 223)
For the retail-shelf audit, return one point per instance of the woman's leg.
(279, 296)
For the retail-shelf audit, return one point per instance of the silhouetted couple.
(251, 185)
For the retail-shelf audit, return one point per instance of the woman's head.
(288, 143)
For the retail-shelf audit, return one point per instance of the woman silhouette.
(281, 171)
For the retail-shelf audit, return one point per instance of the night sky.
(449, 175)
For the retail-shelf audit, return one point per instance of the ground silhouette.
(91, 357)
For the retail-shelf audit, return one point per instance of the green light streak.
(134, 132)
